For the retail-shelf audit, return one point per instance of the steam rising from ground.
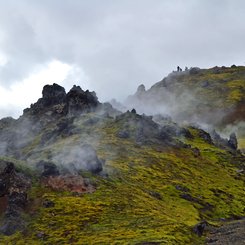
(184, 106)
(76, 157)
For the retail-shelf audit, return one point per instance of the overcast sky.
(110, 46)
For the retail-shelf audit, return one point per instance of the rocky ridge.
(210, 97)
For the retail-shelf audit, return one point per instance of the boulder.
(232, 142)
(200, 227)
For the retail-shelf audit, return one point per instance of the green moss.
(153, 193)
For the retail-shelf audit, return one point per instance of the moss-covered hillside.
(153, 188)
(212, 97)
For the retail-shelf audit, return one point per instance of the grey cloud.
(120, 44)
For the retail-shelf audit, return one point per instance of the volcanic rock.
(14, 186)
(6, 175)
(200, 227)
(205, 136)
(55, 101)
(52, 95)
(79, 101)
(232, 142)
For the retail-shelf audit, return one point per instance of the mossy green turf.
(221, 87)
(139, 200)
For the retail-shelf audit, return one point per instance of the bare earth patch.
(232, 233)
(72, 183)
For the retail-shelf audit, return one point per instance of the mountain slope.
(102, 177)
(210, 97)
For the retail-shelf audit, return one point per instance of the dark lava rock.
(173, 130)
(79, 101)
(11, 225)
(205, 136)
(123, 134)
(188, 197)
(156, 195)
(232, 142)
(205, 205)
(17, 198)
(218, 140)
(141, 127)
(146, 131)
(47, 169)
(55, 102)
(200, 227)
(6, 175)
(196, 152)
(48, 204)
(14, 187)
(165, 135)
(133, 111)
(182, 188)
(52, 95)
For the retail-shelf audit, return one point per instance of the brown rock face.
(13, 194)
(72, 183)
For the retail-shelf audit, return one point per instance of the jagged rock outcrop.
(14, 186)
(224, 143)
(52, 95)
(55, 101)
(145, 130)
(140, 89)
(81, 101)
(232, 142)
